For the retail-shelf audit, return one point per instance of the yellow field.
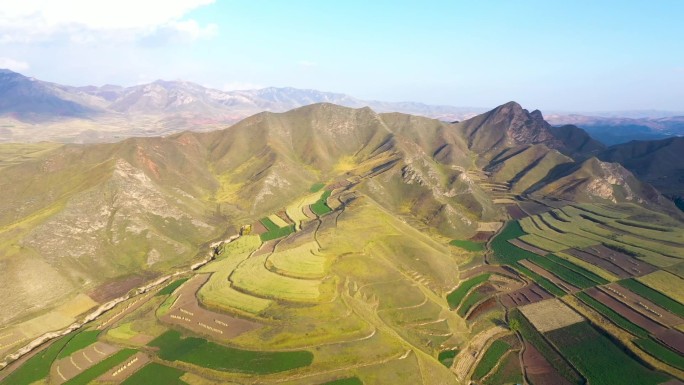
(278, 220)
(299, 262)
(295, 212)
(666, 283)
(550, 314)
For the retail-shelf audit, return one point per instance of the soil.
(307, 211)
(69, 367)
(258, 228)
(267, 247)
(528, 247)
(505, 271)
(538, 369)
(186, 312)
(482, 308)
(283, 215)
(130, 366)
(117, 288)
(643, 306)
(529, 294)
(548, 275)
(605, 264)
(673, 338)
(634, 266)
(515, 212)
(482, 236)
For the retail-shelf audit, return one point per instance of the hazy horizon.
(579, 57)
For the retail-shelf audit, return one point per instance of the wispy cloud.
(14, 65)
(239, 86)
(83, 21)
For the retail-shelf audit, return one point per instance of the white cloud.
(14, 65)
(89, 20)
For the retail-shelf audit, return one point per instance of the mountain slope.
(656, 162)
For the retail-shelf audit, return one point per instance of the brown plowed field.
(258, 228)
(605, 264)
(504, 271)
(267, 247)
(283, 215)
(482, 236)
(529, 294)
(634, 266)
(625, 311)
(482, 308)
(642, 305)
(69, 367)
(555, 280)
(528, 247)
(515, 212)
(124, 370)
(187, 313)
(672, 338)
(114, 289)
(307, 211)
(538, 369)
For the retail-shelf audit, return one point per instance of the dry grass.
(550, 314)
(666, 283)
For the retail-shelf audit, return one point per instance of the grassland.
(654, 296)
(490, 358)
(508, 372)
(299, 262)
(101, 367)
(455, 297)
(154, 373)
(173, 347)
(612, 315)
(345, 381)
(468, 245)
(316, 187)
(600, 360)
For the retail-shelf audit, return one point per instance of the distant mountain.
(31, 99)
(616, 130)
(577, 142)
(659, 163)
(33, 110)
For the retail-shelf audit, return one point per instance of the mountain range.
(35, 110)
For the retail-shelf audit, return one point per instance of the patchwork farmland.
(334, 289)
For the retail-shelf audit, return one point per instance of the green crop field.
(490, 358)
(531, 335)
(455, 297)
(472, 299)
(612, 315)
(597, 358)
(468, 245)
(173, 347)
(570, 276)
(504, 251)
(578, 269)
(38, 366)
(541, 281)
(508, 372)
(172, 286)
(320, 207)
(154, 373)
(278, 232)
(654, 296)
(101, 368)
(661, 352)
(80, 341)
(316, 187)
(446, 357)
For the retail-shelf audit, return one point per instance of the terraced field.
(334, 289)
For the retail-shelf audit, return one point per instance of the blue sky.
(552, 55)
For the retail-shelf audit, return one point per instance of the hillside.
(326, 244)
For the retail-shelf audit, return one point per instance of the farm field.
(334, 288)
